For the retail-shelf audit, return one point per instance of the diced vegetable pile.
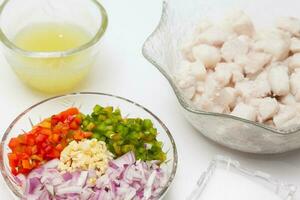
(124, 134)
(98, 156)
(45, 141)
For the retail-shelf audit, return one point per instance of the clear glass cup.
(85, 101)
(51, 71)
(163, 49)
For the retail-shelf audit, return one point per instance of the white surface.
(123, 71)
(226, 183)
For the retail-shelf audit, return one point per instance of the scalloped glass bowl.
(162, 49)
(86, 102)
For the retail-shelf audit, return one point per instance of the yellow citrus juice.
(52, 74)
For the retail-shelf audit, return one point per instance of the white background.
(122, 70)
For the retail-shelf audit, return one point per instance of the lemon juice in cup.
(52, 37)
(51, 44)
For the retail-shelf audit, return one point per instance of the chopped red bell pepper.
(45, 141)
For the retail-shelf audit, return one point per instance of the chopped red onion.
(51, 164)
(67, 176)
(125, 179)
(126, 159)
(33, 184)
(68, 190)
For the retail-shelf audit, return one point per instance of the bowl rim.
(188, 107)
(56, 54)
(4, 137)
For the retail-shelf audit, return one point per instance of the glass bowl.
(52, 71)
(85, 101)
(163, 50)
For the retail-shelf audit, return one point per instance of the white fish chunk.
(292, 122)
(245, 88)
(193, 69)
(288, 99)
(297, 96)
(200, 87)
(254, 62)
(240, 23)
(295, 45)
(258, 88)
(235, 69)
(245, 111)
(186, 82)
(234, 47)
(183, 76)
(295, 84)
(185, 79)
(237, 72)
(212, 86)
(228, 97)
(230, 65)
(208, 103)
(294, 62)
(198, 70)
(285, 114)
(262, 88)
(241, 60)
(298, 107)
(208, 55)
(270, 123)
(267, 108)
(215, 36)
(264, 74)
(223, 74)
(220, 109)
(187, 52)
(289, 24)
(237, 76)
(275, 42)
(279, 80)
(253, 102)
(203, 102)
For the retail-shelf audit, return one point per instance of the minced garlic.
(85, 155)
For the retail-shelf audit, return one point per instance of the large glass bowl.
(85, 101)
(163, 50)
